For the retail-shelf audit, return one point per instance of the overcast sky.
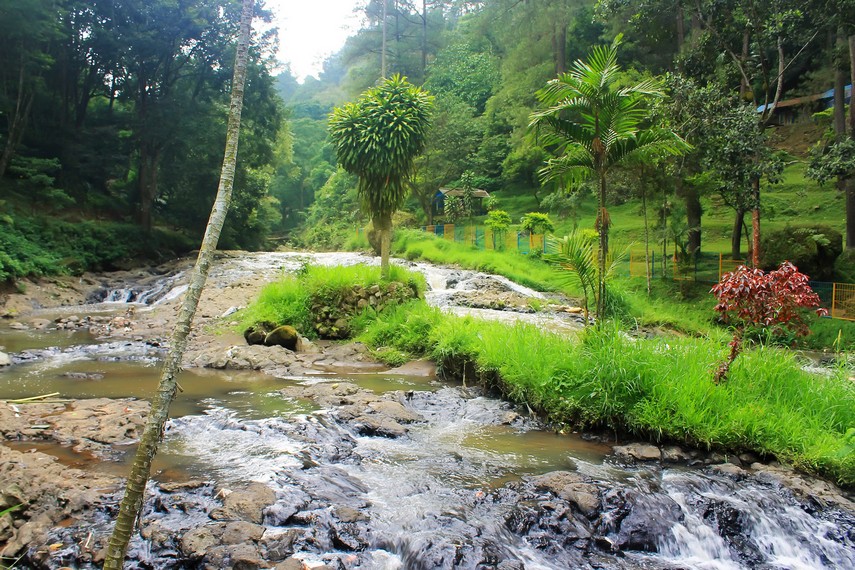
(311, 30)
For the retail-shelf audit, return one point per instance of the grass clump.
(293, 300)
(660, 389)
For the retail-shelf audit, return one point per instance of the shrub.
(769, 301)
(812, 249)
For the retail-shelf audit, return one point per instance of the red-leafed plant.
(769, 301)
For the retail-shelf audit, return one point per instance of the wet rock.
(285, 336)
(632, 520)
(729, 469)
(278, 544)
(48, 493)
(572, 488)
(91, 425)
(674, 454)
(245, 504)
(240, 531)
(5, 360)
(84, 375)
(638, 451)
(378, 426)
(200, 540)
(40, 324)
(819, 492)
(425, 368)
(290, 564)
(731, 526)
(510, 565)
(16, 326)
(395, 411)
(349, 515)
(306, 346)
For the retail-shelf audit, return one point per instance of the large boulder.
(285, 336)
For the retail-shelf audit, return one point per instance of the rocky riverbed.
(416, 474)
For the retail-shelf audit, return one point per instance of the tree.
(500, 222)
(377, 138)
(768, 301)
(153, 431)
(593, 125)
(575, 260)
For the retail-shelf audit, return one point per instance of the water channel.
(459, 490)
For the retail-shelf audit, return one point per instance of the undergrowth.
(290, 299)
(660, 389)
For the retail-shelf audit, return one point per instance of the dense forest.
(114, 112)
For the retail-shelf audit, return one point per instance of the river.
(473, 483)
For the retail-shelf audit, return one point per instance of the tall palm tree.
(153, 431)
(377, 138)
(594, 125)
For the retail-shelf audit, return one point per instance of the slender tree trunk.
(755, 223)
(681, 26)
(736, 235)
(839, 87)
(852, 82)
(383, 225)
(424, 40)
(383, 45)
(646, 234)
(153, 431)
(147, 181)
(559, 47)
(850, 186)
(18, 121)
(743, 83)
(603, 218)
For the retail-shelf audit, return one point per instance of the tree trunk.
(852, 82)
(424, 40)
(850, 213)
(839, 87)
(18, 122)
(681, 26)
(383, 225)
(559, 47)
(383, 45)
(694, 211)
(736, 235)
(153, 431)
(603, 221)
(149, 160)
(755, 224)
(646, 233)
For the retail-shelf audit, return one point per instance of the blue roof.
(847, 93)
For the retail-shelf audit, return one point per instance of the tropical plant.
(129, 510)
(593, 125)
(769, 301)
(500, 222)
(537, 223)
(575, 261)
(377, 138)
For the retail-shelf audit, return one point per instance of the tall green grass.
(658, 389)
(290, 299)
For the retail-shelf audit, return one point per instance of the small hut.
(477, 194)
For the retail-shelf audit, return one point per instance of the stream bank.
(328, 459)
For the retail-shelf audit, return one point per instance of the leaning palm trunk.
(153, 432)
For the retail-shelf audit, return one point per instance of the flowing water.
(458, 491)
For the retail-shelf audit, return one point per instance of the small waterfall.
(728, 524)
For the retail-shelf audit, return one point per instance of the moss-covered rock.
(256, 333)
(285, 336)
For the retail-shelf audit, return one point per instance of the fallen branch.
(32, 398)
